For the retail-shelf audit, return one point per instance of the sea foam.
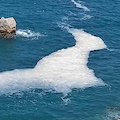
(80, 6)
(60, 71)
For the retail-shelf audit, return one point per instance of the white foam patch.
(27, 33)
(60, 71)
(80, 6)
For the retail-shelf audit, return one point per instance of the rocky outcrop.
(7, 27)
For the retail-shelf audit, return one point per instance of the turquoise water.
(50, 88)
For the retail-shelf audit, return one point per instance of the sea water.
(63, 62)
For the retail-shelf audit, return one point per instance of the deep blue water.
(45, 19)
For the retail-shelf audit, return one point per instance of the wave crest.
(80, 6)
(27, 33)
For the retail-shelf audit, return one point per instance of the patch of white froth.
(60, 71)
(80, 6)
(27, 33)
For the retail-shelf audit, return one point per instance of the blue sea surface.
(41, 30)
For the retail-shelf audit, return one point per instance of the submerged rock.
(7, 27)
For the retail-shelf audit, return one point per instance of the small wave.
(28, 33)
(113, 114)
(112, 50)
(64, 26)
(86, 17)
(80, 6)
(65, 18)
(61, 71)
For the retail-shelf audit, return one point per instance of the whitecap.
(28, 33)
(80, 5)
(60, 71)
